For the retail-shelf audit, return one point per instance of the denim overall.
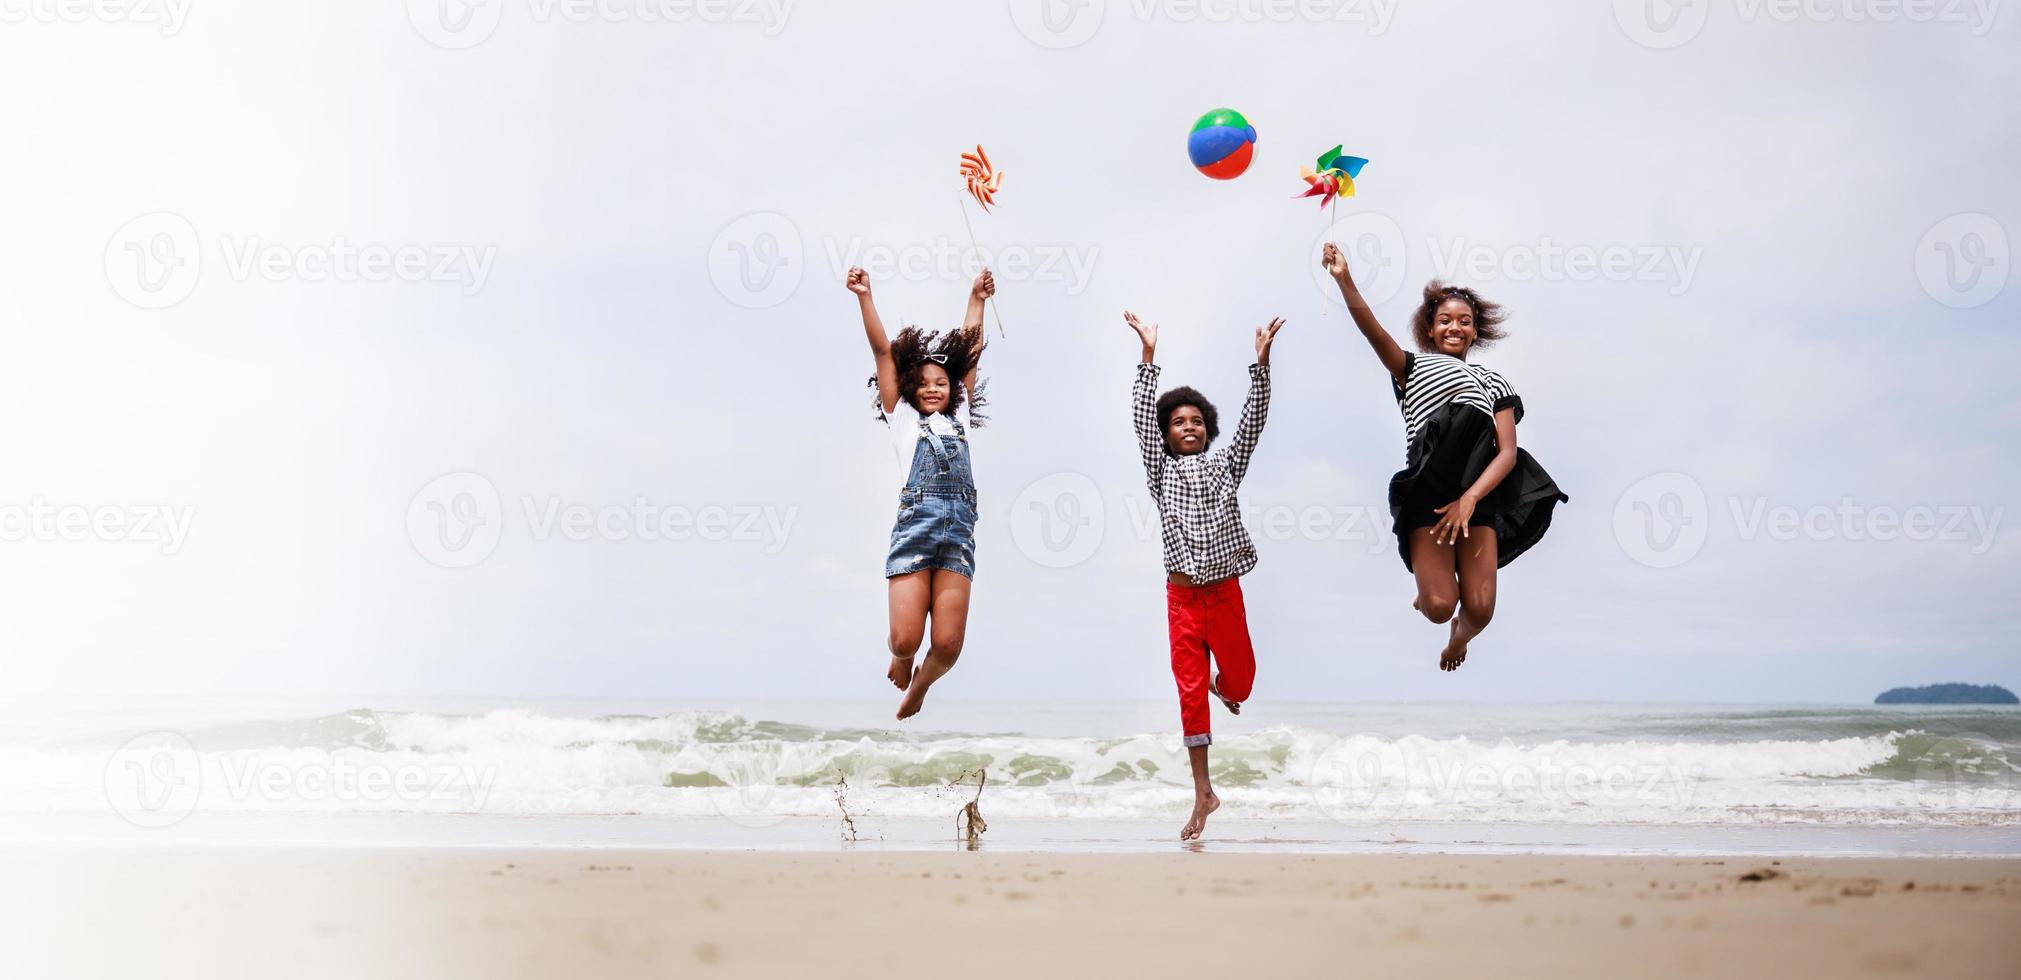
(936, 510)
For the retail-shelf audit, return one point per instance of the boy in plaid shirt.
(1207, 550)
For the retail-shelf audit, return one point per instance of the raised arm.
(1255, 408)
(880, 344)
(971, 321)
(1386, 349)
(1144, 402)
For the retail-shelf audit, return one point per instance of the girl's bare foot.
(914, 699)
(900, 672)
(1455, 652)
(932, 670)
(1202, 806)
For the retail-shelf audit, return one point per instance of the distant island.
(1949, 694)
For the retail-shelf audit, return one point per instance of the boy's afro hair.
(1170, 401)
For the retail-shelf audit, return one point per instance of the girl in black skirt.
(1467, 501)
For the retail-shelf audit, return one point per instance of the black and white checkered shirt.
(1197, 513)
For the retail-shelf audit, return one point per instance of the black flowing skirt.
(1448, 455)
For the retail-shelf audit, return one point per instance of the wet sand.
(227, 912)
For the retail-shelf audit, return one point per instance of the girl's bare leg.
(1477, 562)
(1432, 563)
(950, 630)
(909, 596)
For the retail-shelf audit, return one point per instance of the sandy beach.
(228, 912)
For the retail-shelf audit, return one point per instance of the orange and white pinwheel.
(983, 180)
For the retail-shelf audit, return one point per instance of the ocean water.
(1093, 775)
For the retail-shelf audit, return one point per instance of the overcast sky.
(433, 348)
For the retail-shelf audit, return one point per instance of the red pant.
(1206, 618)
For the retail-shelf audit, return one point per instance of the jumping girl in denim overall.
(928, 395)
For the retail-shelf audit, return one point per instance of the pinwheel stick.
(972, 250)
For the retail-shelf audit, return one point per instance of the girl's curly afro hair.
(1488, 316)
(956, 351)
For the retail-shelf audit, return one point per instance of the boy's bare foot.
(1202, 806)
(1234, 707)
(900, 672)
(1455, 652)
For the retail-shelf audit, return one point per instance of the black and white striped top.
(1433, 381)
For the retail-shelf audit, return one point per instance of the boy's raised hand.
(1146, 332)
(858, 281)
(1264, 335)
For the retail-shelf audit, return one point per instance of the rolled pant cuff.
(1195, 741)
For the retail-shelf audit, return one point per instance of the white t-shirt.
(904, 422)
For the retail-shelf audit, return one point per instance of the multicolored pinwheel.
(983, 180)
(1333, 177)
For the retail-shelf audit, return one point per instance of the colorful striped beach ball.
(1221, 144)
